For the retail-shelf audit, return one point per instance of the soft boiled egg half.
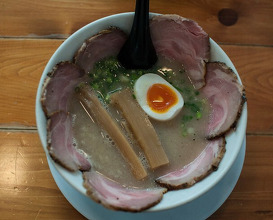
(158, 98)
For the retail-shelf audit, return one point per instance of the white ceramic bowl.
(173, 198)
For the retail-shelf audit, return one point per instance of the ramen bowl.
(72, 181)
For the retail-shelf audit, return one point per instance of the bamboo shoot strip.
(142, 128)
(93, 106)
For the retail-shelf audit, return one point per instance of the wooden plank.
(256, 74)
(21, 65)
(252, 196)
(28, 191)
(27, 188)
(59, 19)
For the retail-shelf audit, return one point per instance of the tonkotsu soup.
(182, 138)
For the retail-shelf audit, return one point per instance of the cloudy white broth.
(182, 138)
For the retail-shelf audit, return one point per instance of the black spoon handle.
(138, 51)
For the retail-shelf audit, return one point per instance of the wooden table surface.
(30, 32)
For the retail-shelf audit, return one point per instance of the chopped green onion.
(196, 93)
(198, 115)
(186, 118)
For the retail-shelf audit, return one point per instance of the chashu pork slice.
(58, 87)
(104, 44)
(183, 40)
(60, 144)
(198, 169)
(115, 196)
(226, 98)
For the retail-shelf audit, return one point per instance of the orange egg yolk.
(161, 98)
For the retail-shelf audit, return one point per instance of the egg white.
(141, 88)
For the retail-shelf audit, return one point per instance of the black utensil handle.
(140, 29)
(138, 52)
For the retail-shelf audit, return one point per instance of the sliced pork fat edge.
(198, 169)
(118, 197)
(226, 97)
(58, 87)
(183, 40)
(60, 143)
(104, 44)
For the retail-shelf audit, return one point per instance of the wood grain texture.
(21, 65)
(59, 19)
(30, 32)
(252, 196)
(27, 188)
(256, 72)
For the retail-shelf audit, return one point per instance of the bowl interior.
(172, 198)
